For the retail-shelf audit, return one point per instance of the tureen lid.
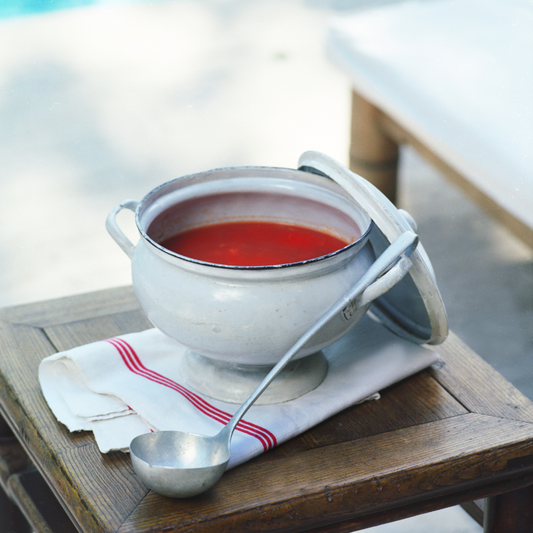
(413, 308)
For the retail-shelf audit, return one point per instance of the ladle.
(180, 464)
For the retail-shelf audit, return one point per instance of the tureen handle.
(114, 230)
(389, 268)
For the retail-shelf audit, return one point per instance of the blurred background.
(101, 101)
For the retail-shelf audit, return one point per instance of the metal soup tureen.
(237, 322)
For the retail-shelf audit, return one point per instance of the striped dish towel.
(121, 387)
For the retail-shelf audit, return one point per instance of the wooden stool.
(443, 437)
(452, 80)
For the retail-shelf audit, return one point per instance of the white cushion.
(458, 75)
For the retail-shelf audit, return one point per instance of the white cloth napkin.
(122, 387)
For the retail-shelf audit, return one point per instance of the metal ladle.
(180, 464)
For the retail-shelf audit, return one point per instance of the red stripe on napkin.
(134, 364)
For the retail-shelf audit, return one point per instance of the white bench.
(453, 78)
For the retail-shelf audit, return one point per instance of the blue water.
(19, 8)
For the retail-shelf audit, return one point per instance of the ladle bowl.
(180, 464)
(173, 463)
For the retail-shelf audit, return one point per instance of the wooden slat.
(11, 519)
(20, 394)
(418, 400)
(478, 386)
(72, 308)
(102, 490)
(38, 509)
(346, 479)
(13, 459)
(424, 506)
(80, 332)
(38, 504)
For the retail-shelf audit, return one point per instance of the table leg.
(373, 154)
(511, 512)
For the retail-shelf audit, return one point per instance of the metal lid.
(413, 308)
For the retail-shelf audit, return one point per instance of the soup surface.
(252, 243)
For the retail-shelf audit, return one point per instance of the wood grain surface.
(442, 437)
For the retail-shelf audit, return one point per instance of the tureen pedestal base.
(233, 383)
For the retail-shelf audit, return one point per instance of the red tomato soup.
(253, 243)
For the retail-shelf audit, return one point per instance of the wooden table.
(442, 437)
(375, 140)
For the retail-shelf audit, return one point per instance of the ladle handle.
(394, 259)
(114, 230)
